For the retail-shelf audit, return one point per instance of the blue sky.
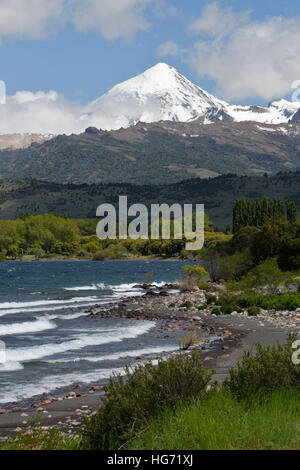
(83, 61)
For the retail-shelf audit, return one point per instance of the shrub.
(266, 274)
(203, 285)
(147, 391)
(112, 252)
(254, 311)
(211, 299)
(229, 304)
(202, 307)
(187, 305)
(230, 308)
(289, 255)
(187, 341)
(188, 285)
(236, 265)
(196, 272)
(269, 369)
(288, 301)
(216, 311)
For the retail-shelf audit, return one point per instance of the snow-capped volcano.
(159, 94)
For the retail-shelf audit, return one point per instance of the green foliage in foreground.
(258, 407)
(220, 422)
(271, 368)
(128, 405)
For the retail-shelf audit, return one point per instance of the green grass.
(287, 301)
(221, 422)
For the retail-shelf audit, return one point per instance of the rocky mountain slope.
(21, 141)
(158, 153)
(166, 129)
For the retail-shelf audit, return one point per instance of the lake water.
(51, 343)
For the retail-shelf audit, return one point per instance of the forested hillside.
(18, 198)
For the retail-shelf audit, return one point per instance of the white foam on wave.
(127, 289)
(70, 316)
(118, 355)
(86, 288)
(10, 366)
(52, 383)
(118, 292)
(27, 327)
(60, 304)
(79, 342)
(36, 303)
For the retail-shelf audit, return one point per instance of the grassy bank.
(221, 422)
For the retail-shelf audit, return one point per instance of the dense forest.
(256, 213)
(17, 198)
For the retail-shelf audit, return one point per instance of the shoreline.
(228, 336)
(137, 258)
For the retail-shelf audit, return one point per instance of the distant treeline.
(45, 236)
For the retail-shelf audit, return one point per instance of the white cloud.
(169, 48)
(247, 58)
(113, 19)
(41, 113)
(217, 22)
(28, 18)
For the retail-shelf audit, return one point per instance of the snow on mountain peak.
(161, 93)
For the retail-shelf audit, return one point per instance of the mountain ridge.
(162, 93)
(164, 152)
(80, 201)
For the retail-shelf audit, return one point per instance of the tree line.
(255, 213)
